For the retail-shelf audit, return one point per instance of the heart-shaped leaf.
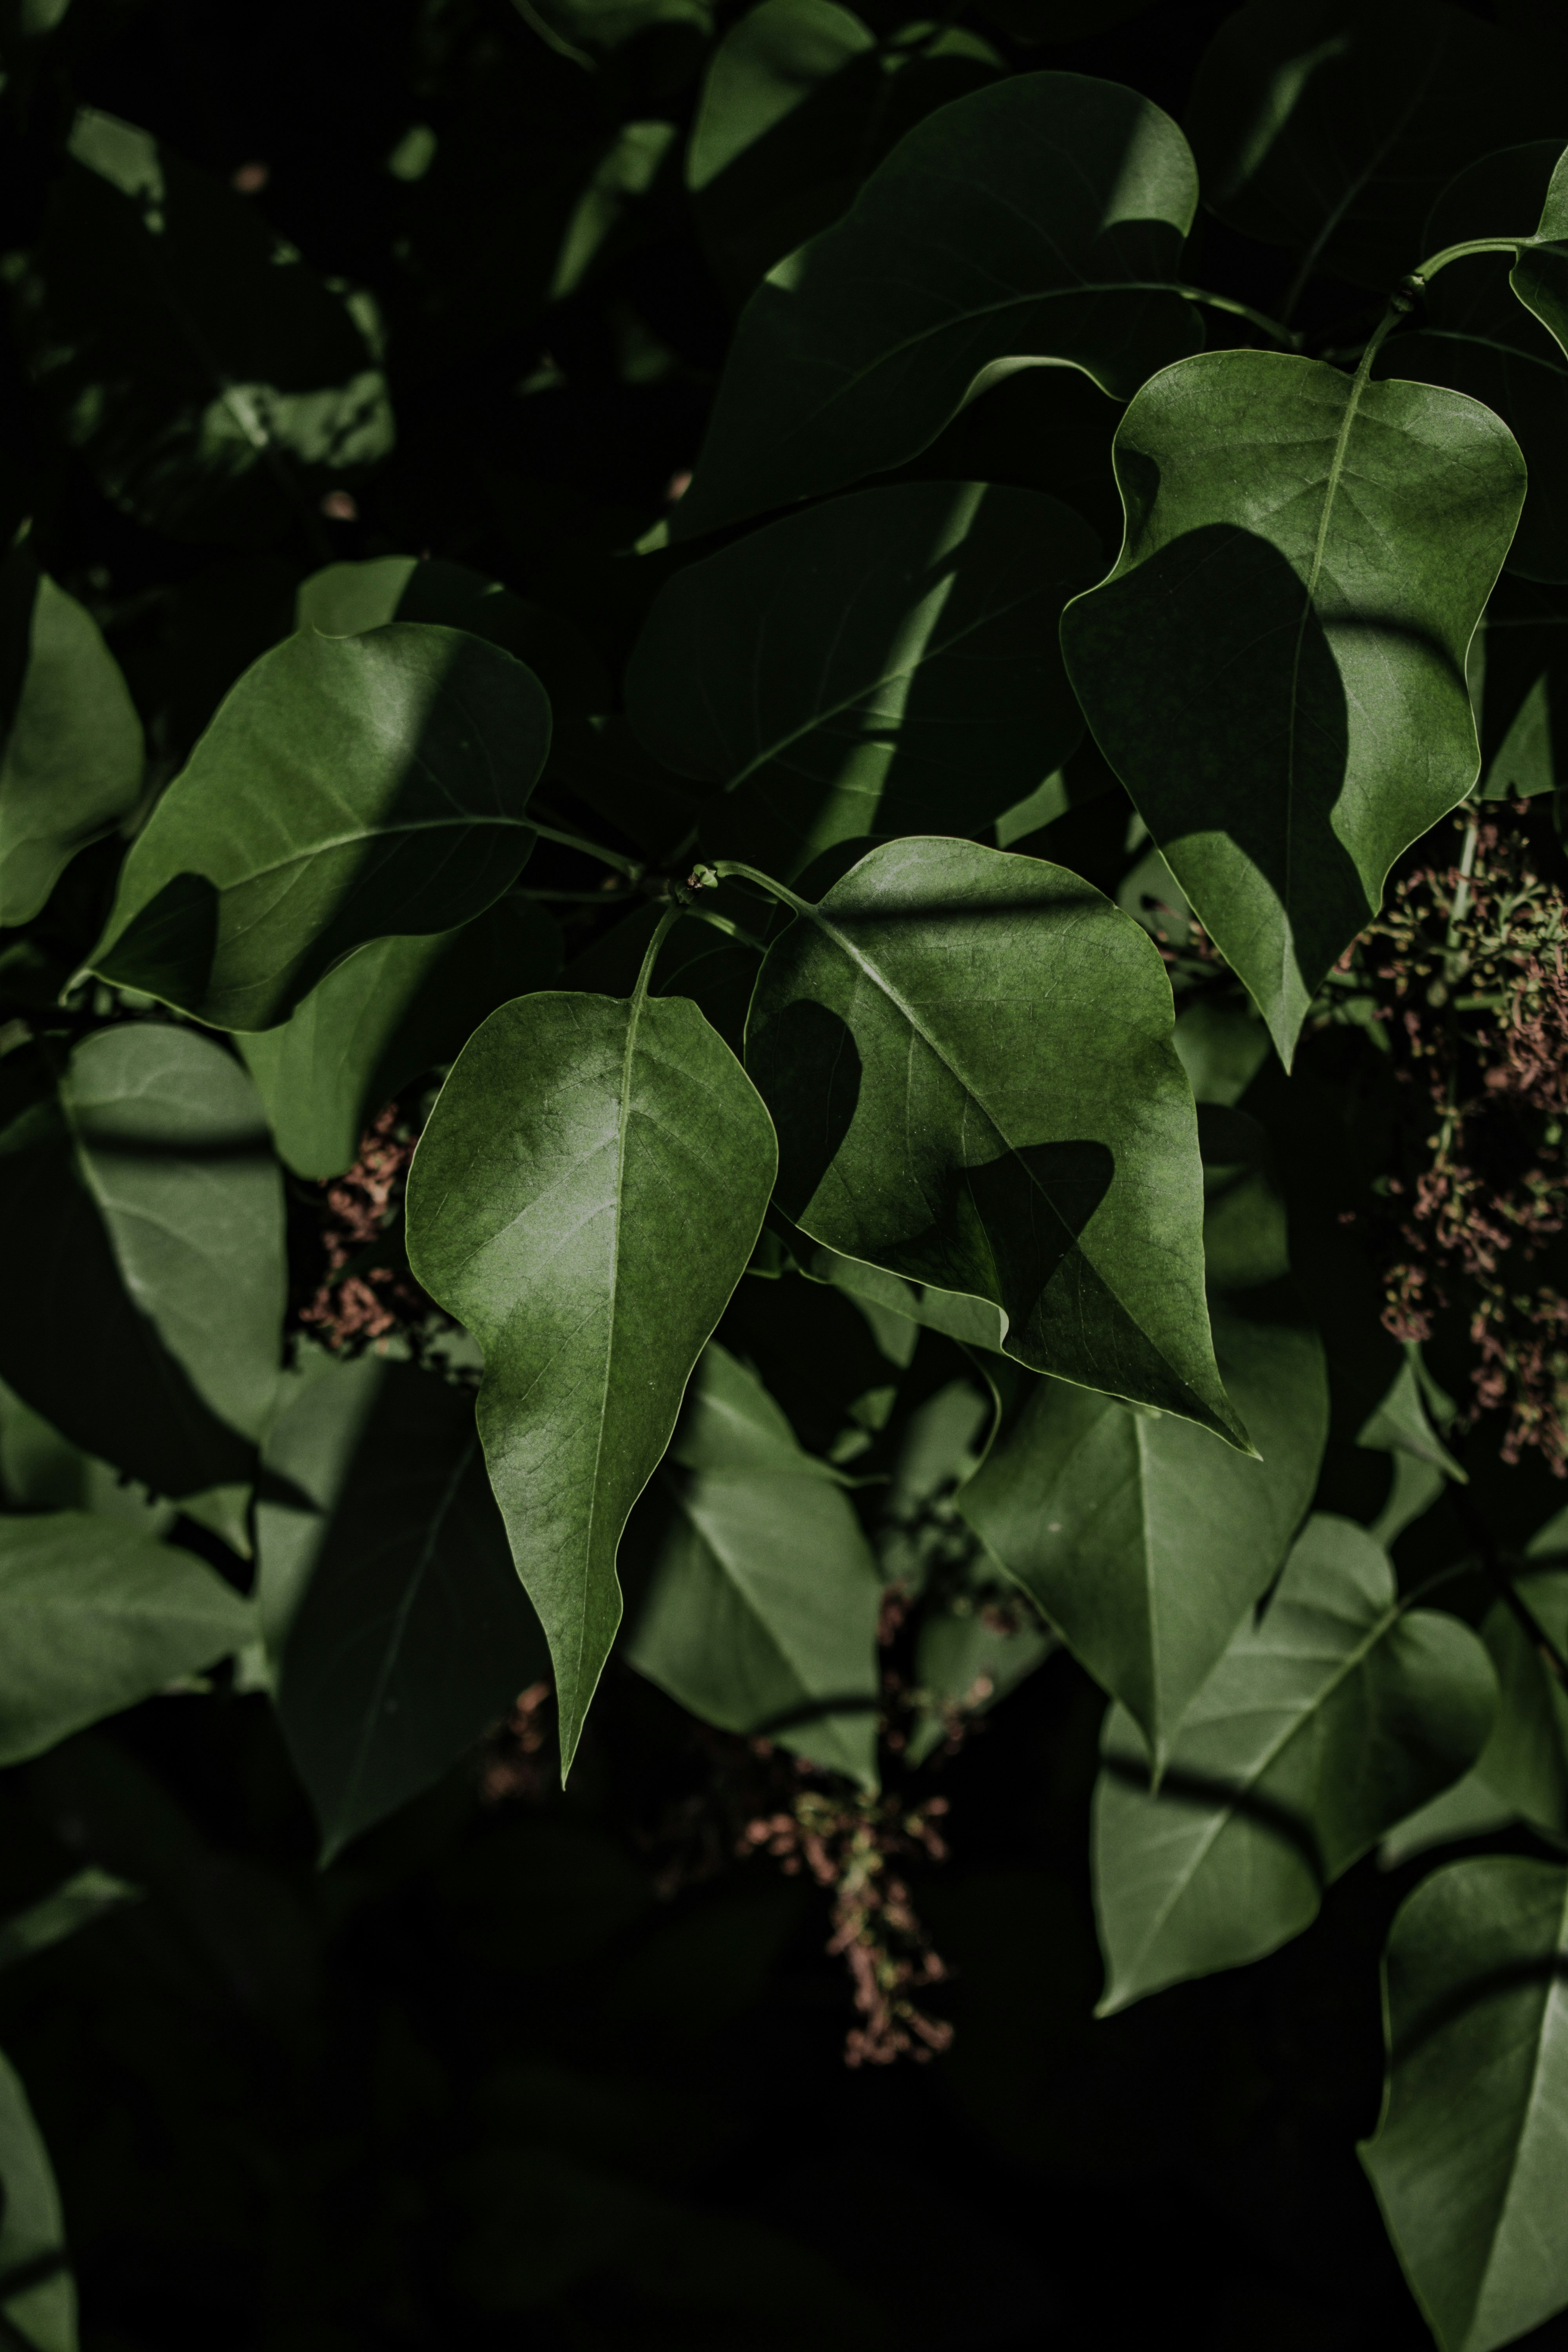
(1318, 1729)
(1467, 2159)
(968, 1060)
(763, 1609)
(393, 1620)
(1276, 666)
(97, 1618)
(1143, 1539)
(1040, 219)
(72, 759)
(884, 663)
(154, 1209)
(392, 1009)
(585, 1197)
(350, 788)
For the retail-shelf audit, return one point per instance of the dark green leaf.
(394, 1618)
(72, 760)
(1276, 666)
(585, 1197)
(762, 70)
(1521, 1773)
(391, 1010)
(950, 1108)
(884, 663)
(214, 385)
(153, 1210)
(33, 2230)
(1144, 1540)
(1476, 338)
(1468, 2158)
(1331, 125)
(350, 788)
(1041, 219)
(78, 1901)
(764, 1604)
(1320, 1728)
(96, 1619)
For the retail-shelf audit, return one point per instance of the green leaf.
(32, 2231)
(1276, 666)
(211, 383)
(1475, 337)
(153, 1210)
(1142, 1539)
(349, 788)
(967, 1056)
(585, 1198)
(765, 67)
(1041, 219)
(392, 1009)
(1320, 1728)
(762, 1612)
(1333, 125)
(1523, 1768)
(395, 1626)
(625, 171)
(71, 764)
(78, 1901)
(96, 1619)
(1468, 2158)
(884, 663)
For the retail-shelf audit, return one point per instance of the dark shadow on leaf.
(1179, 1786)
(1545, 1968)
(168, 946)
(814, 1710)
(807, 1067)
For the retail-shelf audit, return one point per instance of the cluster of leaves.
(697, 992)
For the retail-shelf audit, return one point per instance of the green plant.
(838, 1085)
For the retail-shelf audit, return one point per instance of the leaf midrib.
(368, 833)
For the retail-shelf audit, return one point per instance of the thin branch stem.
(731, 930)
(627, 865)
(726, 867)
(1274, 329)
(667, 923)
(1514, 245)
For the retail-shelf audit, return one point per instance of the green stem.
(731, 930)
(725, 866)
(627, 865)
(667, 923)
(1514, 245)
(1273, 328)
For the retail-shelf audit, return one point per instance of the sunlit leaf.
(1276, 666)
(950, 1108)
(42, 2312)
(1469, 2156)
(585, 1197)
(348, 789)
(1321, 1726)
(764, 1603)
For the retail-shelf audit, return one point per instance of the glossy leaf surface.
(585, 1198)
(764, 1604)
(1276, 666)
(1038, 220)
(884, 663)
(72, 756)
(1320, 1729)
(393, 1616)
(1144, 1540)
(349, 788)
(968, 1059)
(97, 1618)
(153, 1205)
(42, 2315)
(1468, 2158)
(392, 1009)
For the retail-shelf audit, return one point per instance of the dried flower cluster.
(848, 1844)
(359, 1300)
(1463, 978)
(517, 1760)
